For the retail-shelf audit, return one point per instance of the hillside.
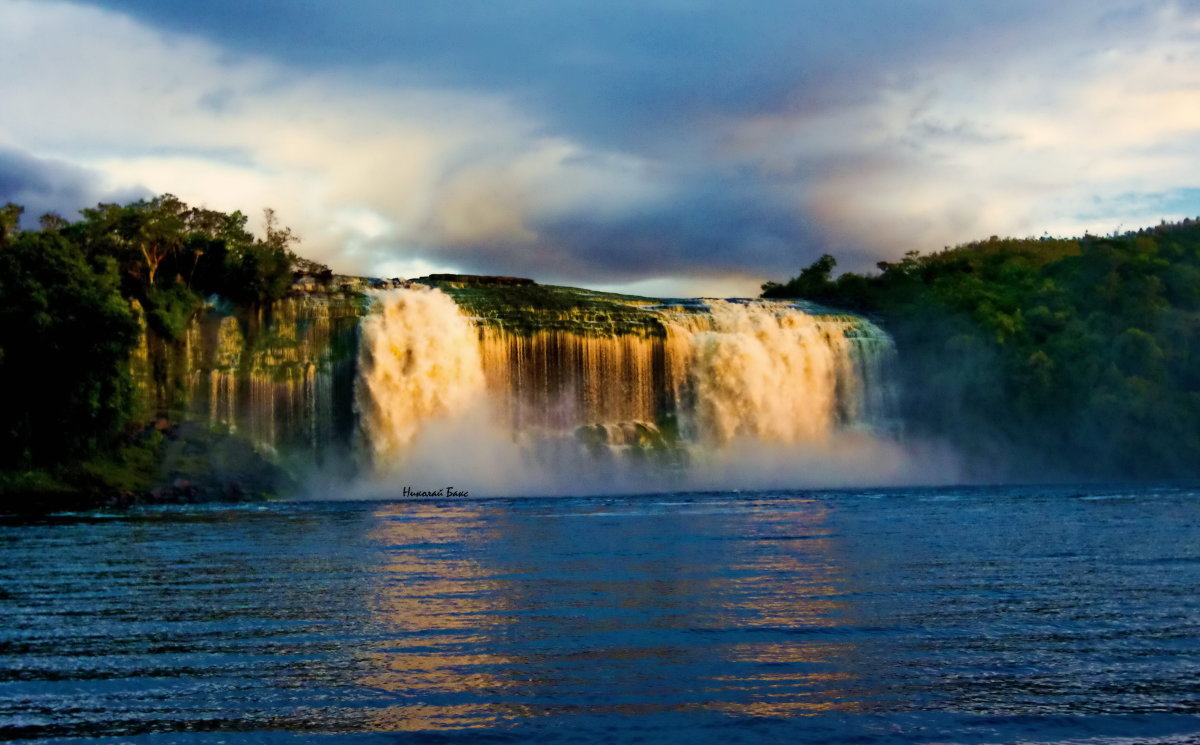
(1065, 358)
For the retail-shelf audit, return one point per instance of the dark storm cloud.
(729, 228)
(43, 185)
(621, 70)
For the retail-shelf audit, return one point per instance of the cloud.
(644, 143)
(43, 185)
(958, 150)
(365, 174)
(610, 70)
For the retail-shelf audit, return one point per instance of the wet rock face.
(280, 376)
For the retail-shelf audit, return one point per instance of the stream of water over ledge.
(983, 615)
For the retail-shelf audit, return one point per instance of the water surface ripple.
(939, 615)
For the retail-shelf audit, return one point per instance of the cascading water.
(419, 360)
(696, 380)
(769, 371)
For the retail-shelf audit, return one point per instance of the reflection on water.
(971, 616)
(437, 605)
(494, 617)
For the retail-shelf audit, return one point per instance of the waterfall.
(534, 389)
(561, 379)
(419, 360)
(766, 371)
(700, 376)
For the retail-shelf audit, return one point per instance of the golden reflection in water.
(746, 627)
(789, 578)
(431, 589)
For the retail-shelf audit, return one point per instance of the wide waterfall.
(665, 388)
(527, 388)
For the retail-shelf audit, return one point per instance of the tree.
(10, 222)
(261, 272)
(65, 338)
(156, 229)
(52, 222)
(813, 282)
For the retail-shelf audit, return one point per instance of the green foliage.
(67, 330)
(813, 281)
(131, 468)
(262, 272)
(528, 308)
(257, 273)
(184, 463)
(170, 309)
(65, 338)
(162, 243)
(10, 222)
(1071, 358)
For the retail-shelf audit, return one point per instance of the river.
(949, 615)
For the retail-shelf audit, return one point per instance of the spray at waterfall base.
(697, 395)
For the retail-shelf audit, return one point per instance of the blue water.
(888, 616)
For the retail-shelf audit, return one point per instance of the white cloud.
(1025, 140)
(365, 174)
(1078, 122)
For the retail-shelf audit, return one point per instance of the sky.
(670, 147)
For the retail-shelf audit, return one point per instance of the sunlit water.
(950, 615)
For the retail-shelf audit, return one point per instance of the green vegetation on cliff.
(521, 306)
(69, 295)
(1044, 357)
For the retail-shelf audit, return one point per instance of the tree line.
(1059, 358)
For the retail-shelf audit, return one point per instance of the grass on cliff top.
(537, 297)
(528, 308)
(532, 307)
